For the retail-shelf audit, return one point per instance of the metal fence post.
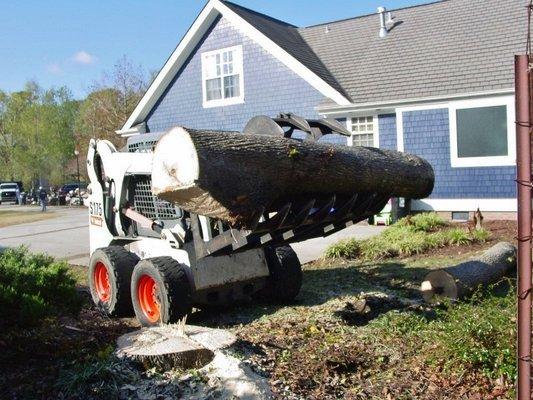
(523, 170)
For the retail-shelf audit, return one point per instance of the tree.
(36, 133)
(110, 103)
(39, 129)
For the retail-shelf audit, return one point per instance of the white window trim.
(238, 56)
(493, 161)
(458, 205)
(376, 127)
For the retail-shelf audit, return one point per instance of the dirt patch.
(324, 346)
(329, 355)
(31, 360)
(9, 217)
(328, 360)
(501, 230)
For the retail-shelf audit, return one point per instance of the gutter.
(339, 110)
(133, 131)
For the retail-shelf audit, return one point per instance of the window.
(481, 134)
(460, 216)
(222, 77)
(364, 131)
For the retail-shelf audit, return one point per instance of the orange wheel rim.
(148, 293)
(101, 282)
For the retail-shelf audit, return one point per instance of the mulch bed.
(501, 230)
(30, 360)
(307, 360)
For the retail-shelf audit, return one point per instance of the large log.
(232, 176)
(463, 279)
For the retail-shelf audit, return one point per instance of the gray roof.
(289, 39)
(443, 48)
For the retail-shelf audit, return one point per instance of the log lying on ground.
(169, 346)
(461, 280)
(232, 176)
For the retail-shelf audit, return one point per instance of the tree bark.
(231, 176)
(463, 279)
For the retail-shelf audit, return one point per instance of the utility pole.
(77, 153)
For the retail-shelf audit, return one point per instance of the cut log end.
(166, 347)
(438, 285)
(176, 165)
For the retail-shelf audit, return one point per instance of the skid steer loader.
(152, 259)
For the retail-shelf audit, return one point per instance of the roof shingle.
(448, 47)
(442, 48)
(289, 39)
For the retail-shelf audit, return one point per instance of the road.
(66, 236)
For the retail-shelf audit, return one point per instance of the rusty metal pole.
(523, 171)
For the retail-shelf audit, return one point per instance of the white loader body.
(111, 173)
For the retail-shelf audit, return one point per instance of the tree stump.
(169, 346)
(232, 176)
(461, 280)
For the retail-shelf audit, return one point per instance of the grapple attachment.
(290, 222)
(285, 124)
(310, 218)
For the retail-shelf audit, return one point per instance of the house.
(436, 80)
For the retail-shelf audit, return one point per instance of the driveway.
(313, 249)
(66, 236)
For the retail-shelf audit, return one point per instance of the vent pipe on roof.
(383, 26)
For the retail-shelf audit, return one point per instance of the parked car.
(8, 192)
(65, 190)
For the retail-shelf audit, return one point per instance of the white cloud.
(82, 57)
(54, 68)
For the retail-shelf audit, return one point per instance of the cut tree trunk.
(169, 346)
(234, 176)
(463, 279)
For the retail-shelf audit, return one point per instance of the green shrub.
(437, 240)
(409, 236)
(481, 235)
(425, 222)
(344, 249)
(33, 286)
(457, 236)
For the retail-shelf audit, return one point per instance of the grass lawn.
(12, 217)
(358, 330)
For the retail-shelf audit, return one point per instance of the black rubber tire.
(119, 264)
(285, 280)
(173, 286)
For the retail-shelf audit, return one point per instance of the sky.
(70, 42)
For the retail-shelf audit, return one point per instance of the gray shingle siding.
(387, 131)
(269, 87)
(427, 133)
